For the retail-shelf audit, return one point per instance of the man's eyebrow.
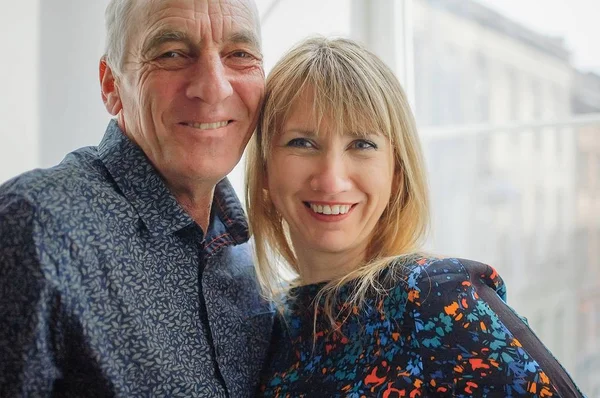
(245, 37)
(165, 36)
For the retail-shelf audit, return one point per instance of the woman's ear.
(110, 91)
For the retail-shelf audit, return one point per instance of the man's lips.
(207, 125)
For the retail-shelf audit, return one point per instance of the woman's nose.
(331, 175)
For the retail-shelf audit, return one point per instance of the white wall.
(51, 103)
(71, 112)
(19, 98)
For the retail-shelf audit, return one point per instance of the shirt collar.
(143, 187)
(230, 213)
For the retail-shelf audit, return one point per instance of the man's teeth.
(326, 209)
(208, 126)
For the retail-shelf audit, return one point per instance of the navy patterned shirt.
(109, 288)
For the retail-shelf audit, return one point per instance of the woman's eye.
(300, 143)
(363, 144)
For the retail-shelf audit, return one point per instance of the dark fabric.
(109, 288)
(441, 329)
(560, 378)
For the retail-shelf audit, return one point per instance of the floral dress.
(440, 329)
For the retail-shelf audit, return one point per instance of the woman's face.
(331, 188)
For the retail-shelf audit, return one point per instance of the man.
(124, 270)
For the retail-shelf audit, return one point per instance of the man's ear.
(110, 91)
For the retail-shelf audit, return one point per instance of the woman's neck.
(318, 266)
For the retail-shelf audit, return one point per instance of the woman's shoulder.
(429, 273)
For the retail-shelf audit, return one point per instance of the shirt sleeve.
(473, 344)
(27, 336)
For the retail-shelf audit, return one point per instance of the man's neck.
(197, 203)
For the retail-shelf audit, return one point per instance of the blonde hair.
(354, 89)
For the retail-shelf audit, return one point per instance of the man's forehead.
(245, 9)
(237, 20)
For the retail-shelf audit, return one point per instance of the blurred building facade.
(586, 99)
(514, 175)
(472, 65)
(586, 93)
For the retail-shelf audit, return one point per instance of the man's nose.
(210, 81)
(331, 175)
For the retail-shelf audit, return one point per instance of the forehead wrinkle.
(249, 9)
(236, 18)
(212, 16)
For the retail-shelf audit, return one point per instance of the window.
(517, 67)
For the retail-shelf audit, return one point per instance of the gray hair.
(118, 17)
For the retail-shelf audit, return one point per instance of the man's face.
(191, 86)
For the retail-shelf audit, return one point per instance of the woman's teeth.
(327, 209)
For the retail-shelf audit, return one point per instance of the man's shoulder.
(72, 183)
(79, 170)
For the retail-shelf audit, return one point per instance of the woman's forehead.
(311, 109)
(329, 121)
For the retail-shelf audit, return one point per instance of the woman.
(337, 199)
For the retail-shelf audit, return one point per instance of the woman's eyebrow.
(300, 130)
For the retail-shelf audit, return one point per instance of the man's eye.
(241, 54)
(170, 54)
(363, 144)
(173, 60)
(300, 143)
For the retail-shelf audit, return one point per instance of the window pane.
(509, 111)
